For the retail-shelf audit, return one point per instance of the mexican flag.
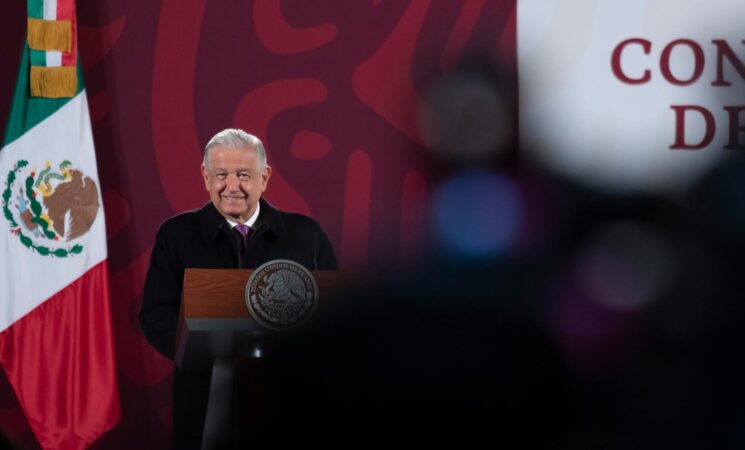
(56, 342)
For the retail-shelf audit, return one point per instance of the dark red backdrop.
(331, 87)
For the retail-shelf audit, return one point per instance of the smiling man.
(235, 229)
(235, 174)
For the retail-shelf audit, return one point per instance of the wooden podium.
(215, 331)
(214, 321)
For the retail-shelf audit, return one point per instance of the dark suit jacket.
(203, 239)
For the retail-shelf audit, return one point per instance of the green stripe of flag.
(36, 9)
(38, 57)
(26, 111)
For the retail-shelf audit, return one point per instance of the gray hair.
(236, 138)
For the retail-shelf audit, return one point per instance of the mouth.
(233, 197)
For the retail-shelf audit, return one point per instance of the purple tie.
(243, 229)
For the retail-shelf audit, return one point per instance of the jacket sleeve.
(161, 298)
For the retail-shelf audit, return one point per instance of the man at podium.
(236, 229)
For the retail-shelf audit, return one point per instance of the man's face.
(235, 181)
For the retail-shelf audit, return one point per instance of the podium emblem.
(281, 294)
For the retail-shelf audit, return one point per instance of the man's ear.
(206, 177)
(265, 175)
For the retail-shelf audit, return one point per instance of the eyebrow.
(221, 169)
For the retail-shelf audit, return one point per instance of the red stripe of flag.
(66, 11)
(60, 360)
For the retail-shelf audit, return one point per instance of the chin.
(234, 213)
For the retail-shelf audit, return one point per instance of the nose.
(232, 181)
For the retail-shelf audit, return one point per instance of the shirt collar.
(269, 220)
(251, 220)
